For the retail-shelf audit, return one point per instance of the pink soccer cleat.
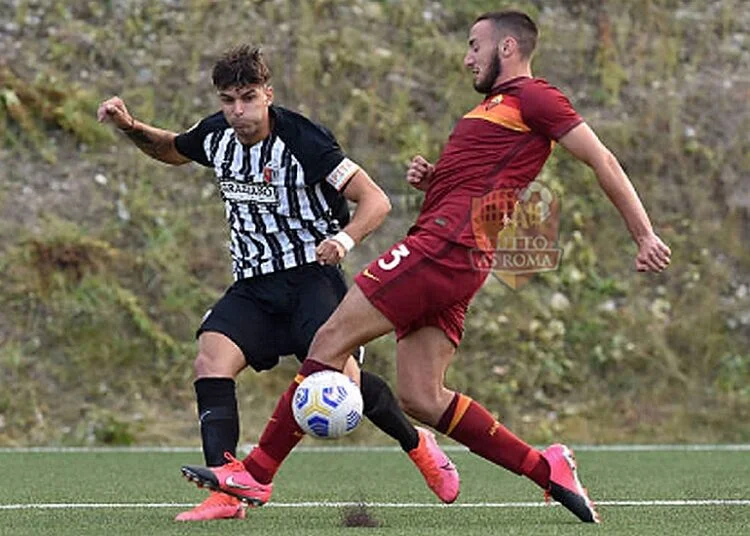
(231, 478)
(564, 486)
(438, 470)
(216, 506)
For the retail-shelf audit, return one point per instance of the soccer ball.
(327, 405)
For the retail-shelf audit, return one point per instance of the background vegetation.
(108, 260)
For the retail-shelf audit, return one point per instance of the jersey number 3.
(397, 253)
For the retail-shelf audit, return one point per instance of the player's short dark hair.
(516, 24)
(240, 66)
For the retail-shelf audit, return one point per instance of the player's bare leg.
(423, 358)
(424, 397)
(355, 322)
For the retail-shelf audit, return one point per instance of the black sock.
(218, 417)
(381, 407)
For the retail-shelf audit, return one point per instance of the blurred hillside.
(108, 260)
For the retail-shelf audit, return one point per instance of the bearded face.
(485, 75)
(482, 57)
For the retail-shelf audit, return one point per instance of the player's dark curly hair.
(516, 24)
(240, 66)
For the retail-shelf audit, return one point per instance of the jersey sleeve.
(191, 142)
(317, 150)
(545, 109)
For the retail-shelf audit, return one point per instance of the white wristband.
(344, 239)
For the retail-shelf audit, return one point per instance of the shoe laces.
(233, 464)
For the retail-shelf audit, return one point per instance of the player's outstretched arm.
(582, 142)
(155, 142)
(372, 207)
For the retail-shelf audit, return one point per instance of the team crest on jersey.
(502, 110)
(497, 99)
(516, 233)
(244, 192)
(268, 173)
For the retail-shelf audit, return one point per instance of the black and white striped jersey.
(282, 196)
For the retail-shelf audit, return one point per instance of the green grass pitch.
(116, 492)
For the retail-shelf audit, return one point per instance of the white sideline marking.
(666, 503)
(366, 449)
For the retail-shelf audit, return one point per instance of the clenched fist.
(420, 173)
(115, 110)
(330, 251)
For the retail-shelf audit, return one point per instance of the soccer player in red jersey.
(422, 286)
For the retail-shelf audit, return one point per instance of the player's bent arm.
(583, 143)
(372, 207)
(155, 142)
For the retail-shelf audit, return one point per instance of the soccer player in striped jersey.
(285, 183)
(421, 287)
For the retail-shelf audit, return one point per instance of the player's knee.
(201, 364)
(210, 365)
(328, 331)
(324, 342)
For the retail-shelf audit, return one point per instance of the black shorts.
(274, 315)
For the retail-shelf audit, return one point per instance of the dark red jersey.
(501, 145)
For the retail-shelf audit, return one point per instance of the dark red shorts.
(423, 281)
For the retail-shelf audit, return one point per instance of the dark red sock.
(469, 423)
(282, 433)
